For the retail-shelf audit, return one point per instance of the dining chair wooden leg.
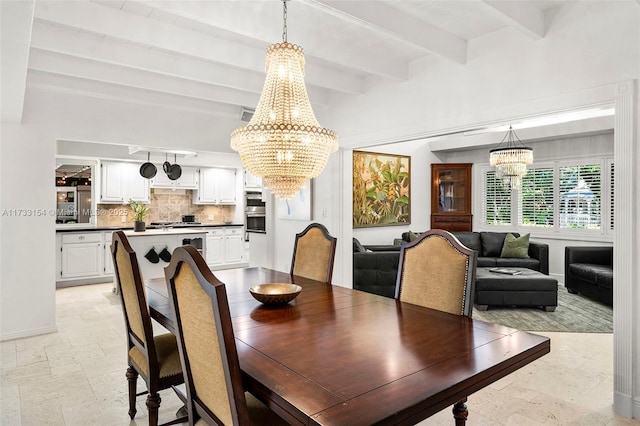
(153, 403)
(132, 378)
(460, 412)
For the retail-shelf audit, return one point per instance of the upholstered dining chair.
(155, 358)
(214, 391)
(436, 271)
(313, 253)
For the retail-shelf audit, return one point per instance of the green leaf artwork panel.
(381, 189)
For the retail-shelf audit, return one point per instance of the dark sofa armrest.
(597, 255)
(382, 248)
(540, 251)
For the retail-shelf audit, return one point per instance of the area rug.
(574, 313)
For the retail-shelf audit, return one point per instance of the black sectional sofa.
(375, 268)
(589, 271)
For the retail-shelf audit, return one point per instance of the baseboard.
(28, 333)
(626, 406)
(84, 281)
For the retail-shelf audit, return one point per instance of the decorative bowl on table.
(275, 294)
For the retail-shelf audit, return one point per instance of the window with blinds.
(496, 199)
(611, 194)
(580, 190)
(536, 206)
(559, 195)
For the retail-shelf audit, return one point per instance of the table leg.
(460, 412)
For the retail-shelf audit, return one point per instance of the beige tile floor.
(76, 376)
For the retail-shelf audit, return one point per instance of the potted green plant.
(140, 211)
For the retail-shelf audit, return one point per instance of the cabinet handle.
(81, 237)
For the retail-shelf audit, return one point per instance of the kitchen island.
(84, 255)
(149, 244)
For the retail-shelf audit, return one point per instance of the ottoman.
(528, 288)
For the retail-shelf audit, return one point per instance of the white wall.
(588, 45)
(27, 247)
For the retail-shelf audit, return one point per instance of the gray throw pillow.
(517, 248)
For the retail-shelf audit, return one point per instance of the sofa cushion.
(516, 247)
(470, 240)
(605, 279)
(492, 243)
(512, 262)
(485, 262)
(587, 271)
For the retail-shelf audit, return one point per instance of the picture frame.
(381, 189)
(297, 208)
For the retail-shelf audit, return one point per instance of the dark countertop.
(89, 228)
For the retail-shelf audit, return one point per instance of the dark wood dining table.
(337, 356)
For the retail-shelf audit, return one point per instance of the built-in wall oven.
(254, 213)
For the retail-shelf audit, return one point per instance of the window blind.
(497, 201)
(580, 188)
(611, 195)
(536, 205)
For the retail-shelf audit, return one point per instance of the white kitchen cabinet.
(108, 260)
(252, 181)
(81, 255)
(121, 182)
(111, 189)
(137, 186)
(188, 179)
(234, 245)
(216, 186)
(225, 248)
(215, 247)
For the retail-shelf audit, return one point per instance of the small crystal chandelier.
(511, 158)
(284, 143)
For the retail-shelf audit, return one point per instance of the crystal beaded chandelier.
(284, 143)
(510, 159)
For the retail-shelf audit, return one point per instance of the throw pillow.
(516, 247)
(412, 236)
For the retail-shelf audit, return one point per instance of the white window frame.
(605, 233)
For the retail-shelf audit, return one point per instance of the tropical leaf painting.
(381, 189)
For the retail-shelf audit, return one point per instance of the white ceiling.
(209, 55)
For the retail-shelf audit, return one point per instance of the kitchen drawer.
(86, 237)
(216, 232)
(233, 231)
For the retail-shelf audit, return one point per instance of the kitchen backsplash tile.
(167, 205)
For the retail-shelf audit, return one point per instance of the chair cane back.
(436, 271)
(314, 253)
